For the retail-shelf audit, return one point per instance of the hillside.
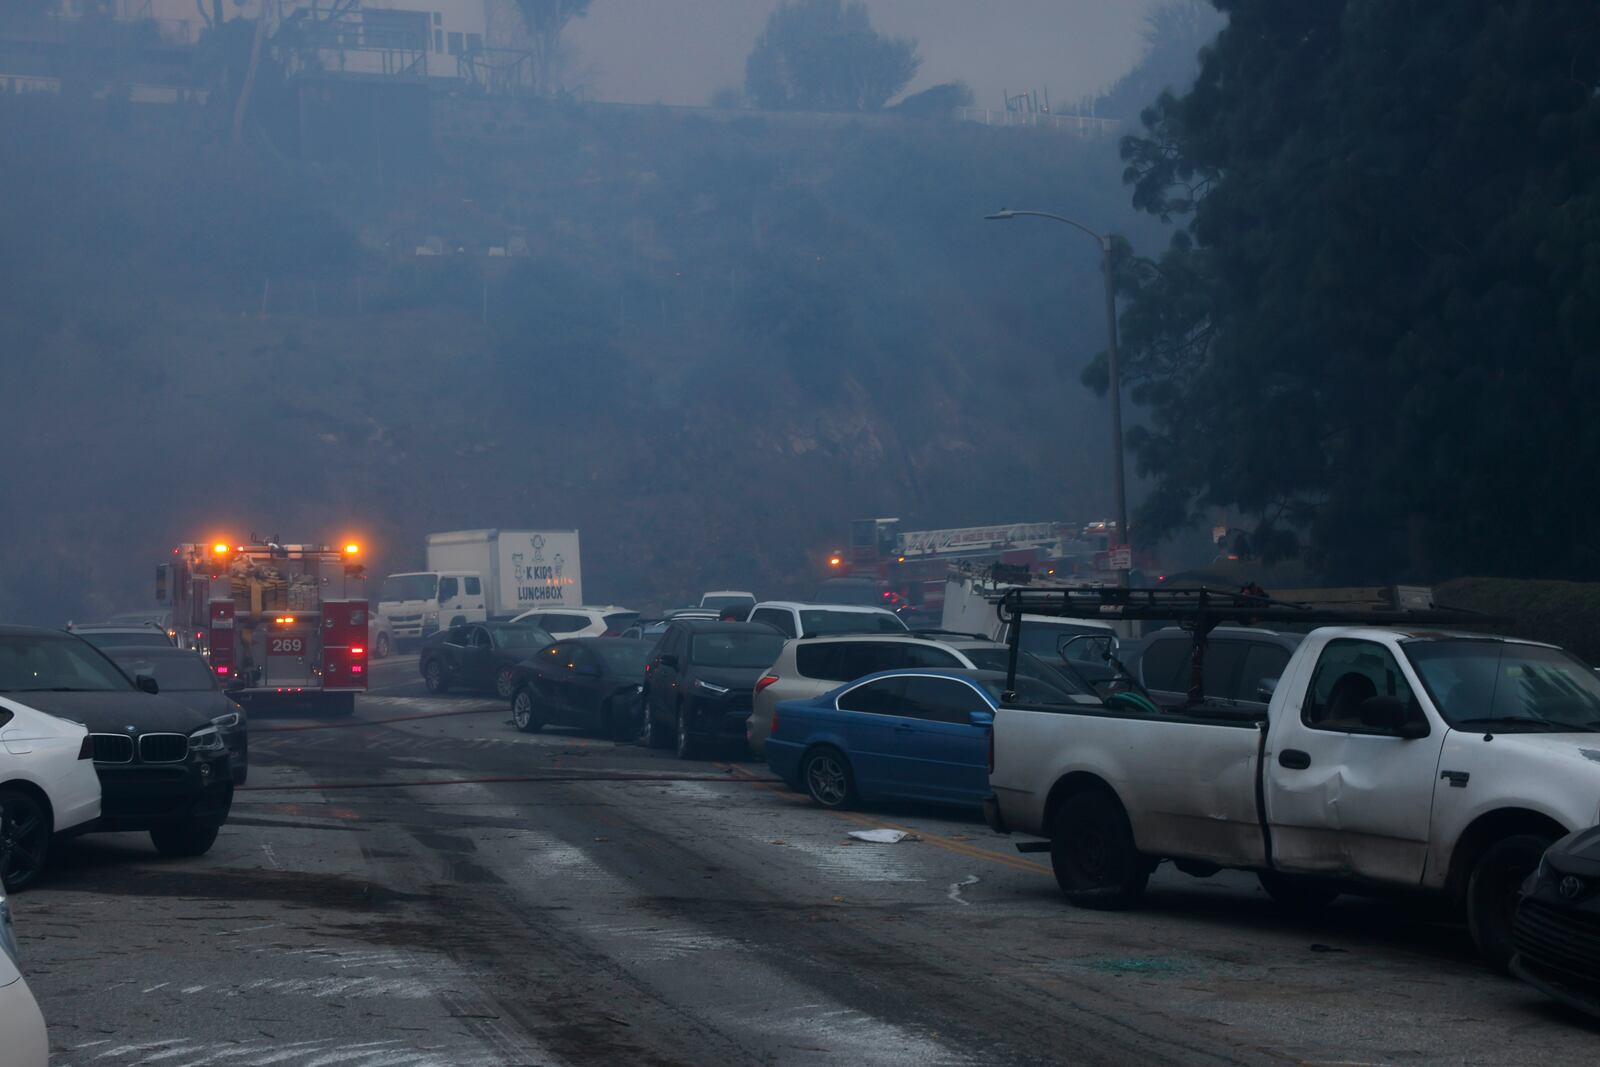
(724, 342)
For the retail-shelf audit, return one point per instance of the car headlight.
(206, 741)
(719, 690)
(229, 721)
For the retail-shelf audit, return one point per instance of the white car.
(42, 759)
(791, 618)
(21, 1023)
(718, 599)
(563, 623)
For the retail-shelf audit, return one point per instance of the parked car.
(904, 734)
(646, 630)
(47, 787)
(1557, 928)
(579, 622)
(700, 679)
(478, 655)
(1243, 664)
(718, 600)
(590, 682)
(163, 767)
(380, 637)
(794, 619)
(27, 1042)
(813, 666)
(107, 635)
(185, 677)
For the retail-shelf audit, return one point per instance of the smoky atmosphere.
(886, 532)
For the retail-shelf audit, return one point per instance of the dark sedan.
(185, 677)
(478, 655)
(1557, 930)
(701, 682)
(594, 683)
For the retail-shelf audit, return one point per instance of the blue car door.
(865, 721)
(941, 755)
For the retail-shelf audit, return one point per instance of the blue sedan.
(909, 734)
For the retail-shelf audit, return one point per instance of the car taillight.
(766, 681)
(86, 748)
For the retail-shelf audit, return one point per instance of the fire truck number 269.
(287, 646)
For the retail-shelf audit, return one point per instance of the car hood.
(1577, 853)
(114, 711)
(207, 702)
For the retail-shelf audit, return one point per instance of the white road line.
(956, 887)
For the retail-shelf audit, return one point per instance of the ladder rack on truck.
(1201, 609)
(280, 623)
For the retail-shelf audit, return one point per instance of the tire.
(433, 677)
(502, 683)
(380, 647)
(826, 777)
(524, 711)
(1297, 893)
(1494, 889)
(25, 831)
(182, 841)
(652, 734)
(1093, 854)
(686, 747)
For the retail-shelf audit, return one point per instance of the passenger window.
(875, 698)
(941, 700)
(1263, 663)
(449, 588)
(474, 587)
(480, 639)
(1165, 665)
(821, 662)
(857, 659)
(1348, 674)
(1224, 660)
(457, 635)
(926, 656)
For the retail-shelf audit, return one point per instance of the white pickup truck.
(1389, 758)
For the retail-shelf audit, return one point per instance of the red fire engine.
(278, 622)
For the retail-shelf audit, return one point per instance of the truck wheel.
(433, 677)
(1298, 894)
(179, 841)
(502, 683)
(826, 774)
(25, 829)
(1493, 892)
(1093, 854)
(380, 647)
(522, 711)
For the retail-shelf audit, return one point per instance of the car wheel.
(502, 683)
(179, 841)
(827, 777)
(1298, 894)
(522, 711)
(686, 746)
(1093, 854)
(380, 647)
(25, 829)
(1494, 889)
(433, 677)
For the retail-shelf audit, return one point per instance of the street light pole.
(1113, 372)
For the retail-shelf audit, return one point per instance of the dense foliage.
(824, 55)
(1379, 327)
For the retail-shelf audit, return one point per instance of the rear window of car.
(817, 623)
(563, 624)
(618, 621)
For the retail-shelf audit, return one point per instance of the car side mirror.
(1265, 690)
(147, 684)
(668, 659)
(981, 718)
(1087, 648)
(1393, 716)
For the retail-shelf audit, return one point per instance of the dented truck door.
(1351, 767)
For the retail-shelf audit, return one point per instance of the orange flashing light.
(220, 548)
(284, 618)
(834, 561)
(352, 549)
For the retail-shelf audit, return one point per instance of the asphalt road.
(424, 885)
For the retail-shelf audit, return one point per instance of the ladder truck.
(282, 625)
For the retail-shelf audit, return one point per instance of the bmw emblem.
(131, 729)
(1571, 886)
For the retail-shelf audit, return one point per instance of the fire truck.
(281, 624)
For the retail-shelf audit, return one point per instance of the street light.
(1112, 371)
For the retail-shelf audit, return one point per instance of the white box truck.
(474, 575)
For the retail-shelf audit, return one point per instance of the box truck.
(473, 575)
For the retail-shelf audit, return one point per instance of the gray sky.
(678, 51)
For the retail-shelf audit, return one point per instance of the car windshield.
(187, 673)
(408, 587)
(125, 638)
(752, 650)
(30, 664)
(1028, 666)
(515, 636)
(716, 603)
(623, 655)
(1479, 684)
(818, 622)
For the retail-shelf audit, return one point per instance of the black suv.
(163, 767)
(700, 681)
